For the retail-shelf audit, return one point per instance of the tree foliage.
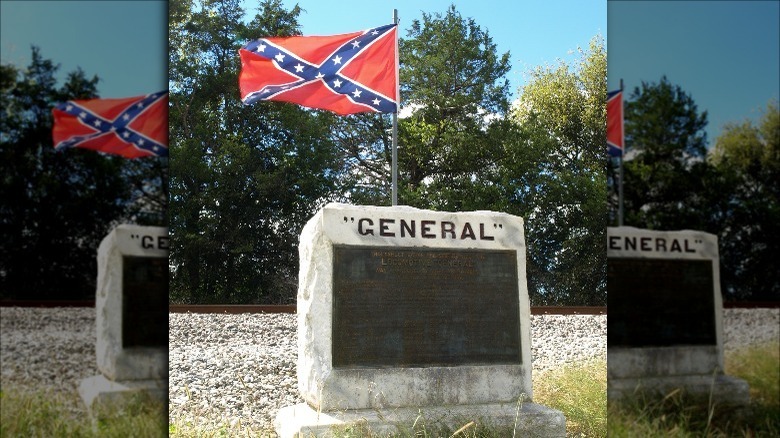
(57, 206)
(556, 178)
(454, 80)
(245, 179)
(672, 182)
(665, 169)
(747, 160)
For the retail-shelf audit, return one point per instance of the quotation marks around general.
(160, 242)
(426, 229)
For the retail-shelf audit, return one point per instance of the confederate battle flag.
(347, 74)
(132, 127)
(615, 123)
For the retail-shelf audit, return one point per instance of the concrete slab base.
(527, 420)
(718, 390)
(99, 391)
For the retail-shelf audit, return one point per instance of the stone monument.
(131, 305)
(665, 330)
(406, 314)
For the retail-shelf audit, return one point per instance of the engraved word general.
(426, 229)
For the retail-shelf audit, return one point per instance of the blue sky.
(534, 32)
(724, 54)
(124, 43)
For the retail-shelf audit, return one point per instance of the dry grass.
(580, 392)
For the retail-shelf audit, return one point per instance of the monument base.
(99, 391)
(709, 390)
(528, 420)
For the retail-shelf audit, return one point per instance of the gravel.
(230, 368)
(52, 348)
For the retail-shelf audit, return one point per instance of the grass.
(44, 413)
(580, 392)
(185, 429)
(674, 416)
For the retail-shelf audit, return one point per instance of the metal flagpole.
(622, 152)
(394, 165)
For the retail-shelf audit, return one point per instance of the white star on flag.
(113, 126)
(312, 81)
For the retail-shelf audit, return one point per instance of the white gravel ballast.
(225, 369)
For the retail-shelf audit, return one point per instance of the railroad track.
(290, 308)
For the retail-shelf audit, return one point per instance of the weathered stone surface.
(394, 228)
(99, 391)
(665, 324)
(716, 389)
(402, 311)
(114, 361)
(509, 419)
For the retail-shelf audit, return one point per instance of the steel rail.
(290, 308)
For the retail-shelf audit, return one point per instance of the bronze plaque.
(660, 302)
(144, 302)
(397, 307)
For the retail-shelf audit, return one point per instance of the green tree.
(454, 80)
(244, 179)
(665, 169)
(747, 160)
(554, 175)
(459, 151)
(454, 91)
(671, 184)
(56, 206)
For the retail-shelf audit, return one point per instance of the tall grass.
(674, 416)
(26, 412)
(580, 392)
